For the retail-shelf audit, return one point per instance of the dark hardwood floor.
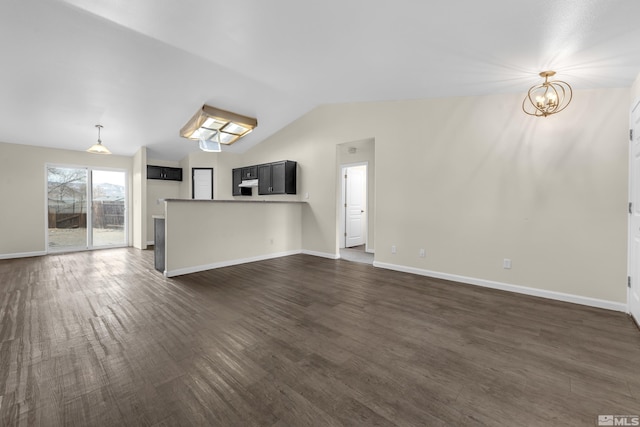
(101, 338)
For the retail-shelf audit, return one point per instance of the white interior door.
(355, 205)
(633, 297)
(202, 183)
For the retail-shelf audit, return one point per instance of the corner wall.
(139, 199)
(201, 159)
(22, 189)
(156, 190)
(473, 180)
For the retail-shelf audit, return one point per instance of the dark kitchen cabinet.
(237, 179)
(164, 172)
(249, 172)
(277, 178)
(158, 244)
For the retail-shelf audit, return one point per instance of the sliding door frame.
(89, 202)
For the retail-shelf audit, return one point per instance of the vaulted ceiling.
(142, 68)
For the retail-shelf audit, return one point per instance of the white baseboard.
(198, 268)
(559, 296)
(321, 254)
(23, 255)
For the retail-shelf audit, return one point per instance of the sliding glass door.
(67, 210)
(86, 208)
(108, 219)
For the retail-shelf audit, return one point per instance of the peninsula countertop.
(231, 201)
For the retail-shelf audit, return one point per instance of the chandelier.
(547, 98)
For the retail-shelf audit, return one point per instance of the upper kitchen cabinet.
(249, 172)
(277, 178)
(237, 180)
(164, 172)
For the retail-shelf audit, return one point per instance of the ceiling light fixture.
(98, 148)
(211, 145)
(218, 126)
(547, 98)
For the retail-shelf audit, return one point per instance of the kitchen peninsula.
(204, 234)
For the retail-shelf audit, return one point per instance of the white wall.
(635, 89)
(488, 183)
(198, 159)
(207, 234)
(139, 198)
(222, 164)
(22, 191)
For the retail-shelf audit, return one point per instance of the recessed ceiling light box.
(220, 126)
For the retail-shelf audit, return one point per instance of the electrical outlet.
(506, 264)
(393, 249)
(422, 253)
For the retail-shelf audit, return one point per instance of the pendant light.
(98, 148)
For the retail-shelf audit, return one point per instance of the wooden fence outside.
(105, 213)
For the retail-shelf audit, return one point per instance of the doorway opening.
(86, 208)
(633, 251)
(355, 200)
(202, 183)
(354, 213)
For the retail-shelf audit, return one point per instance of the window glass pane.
(227, 138)
(212, 123)
(235, 129)
(108, 208)
(67, 207)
